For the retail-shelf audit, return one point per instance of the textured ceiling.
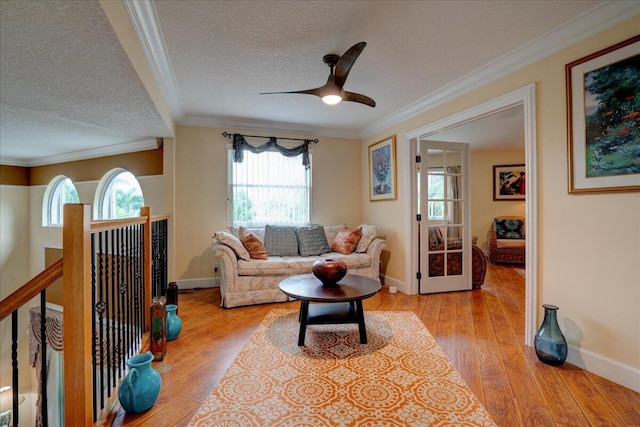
(67, 84)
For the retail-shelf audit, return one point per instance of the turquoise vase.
(139, 390)
(550, 344)
(174, 323)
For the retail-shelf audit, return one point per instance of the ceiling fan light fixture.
(331, 99)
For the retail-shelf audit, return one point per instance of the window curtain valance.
(240, 144)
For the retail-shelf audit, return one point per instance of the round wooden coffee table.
(342, 303)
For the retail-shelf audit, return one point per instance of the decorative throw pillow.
(281, 240)
(509, 229)
(234, 243)
(331, 231)
(346, 240)
(312, 241)
(369, 232)
(252, 242)
(259, 231)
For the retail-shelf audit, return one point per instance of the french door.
(443, 217)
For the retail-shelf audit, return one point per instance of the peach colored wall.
(483, 207)
(594, 279)
(201, 190)
(14, 272)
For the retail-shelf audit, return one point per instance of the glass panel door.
(445, 256)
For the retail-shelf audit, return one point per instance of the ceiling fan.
(333, 92)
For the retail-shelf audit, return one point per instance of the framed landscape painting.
(509, 182)
(382, 170)
(603, 111)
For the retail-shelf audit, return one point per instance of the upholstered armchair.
(506, 240)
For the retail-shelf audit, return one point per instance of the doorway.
(524, 97)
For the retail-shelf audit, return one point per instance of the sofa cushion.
(346, 240)
(252, 243)
(311, 240)
(280, 240)
(509, 228)
(518, 244)
(233, 242)
(331, 231)
(353, 260)
(369, 232)
(263, 267)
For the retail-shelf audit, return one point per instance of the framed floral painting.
(603, 114)
(382, 170)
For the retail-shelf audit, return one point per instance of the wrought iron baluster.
(14, 364)
(94, 335)
(43, 358)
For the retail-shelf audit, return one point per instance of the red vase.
(329, 271)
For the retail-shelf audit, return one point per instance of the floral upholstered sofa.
(254, 261)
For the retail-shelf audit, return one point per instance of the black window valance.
(240, 144)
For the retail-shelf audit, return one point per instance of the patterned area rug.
(400, 378)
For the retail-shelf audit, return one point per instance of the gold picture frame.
(603, 115)
(382, 170)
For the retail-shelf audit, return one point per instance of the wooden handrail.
(109, 224)
(30, 289)
(112, 224)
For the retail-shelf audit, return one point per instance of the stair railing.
(111, 271)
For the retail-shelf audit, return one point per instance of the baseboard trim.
(206, 282)
(619, 373)
(390, 281)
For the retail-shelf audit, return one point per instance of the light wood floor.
(482, 332)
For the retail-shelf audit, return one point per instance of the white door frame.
(526, 97)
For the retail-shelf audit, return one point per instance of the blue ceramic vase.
(139, 389)
(174, 323)
(550, 344)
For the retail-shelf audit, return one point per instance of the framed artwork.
(603, 114)
(509, 182)
(382, 170)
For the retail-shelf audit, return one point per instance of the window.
(59, 191)
(268, 188)
(118, 196)
(436, 193)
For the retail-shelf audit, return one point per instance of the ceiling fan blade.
(356, 97)
(315, 92)
(346, 61)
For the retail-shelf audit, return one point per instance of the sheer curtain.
(454, 210)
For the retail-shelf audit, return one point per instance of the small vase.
(329, 271)
(139, 389)
(550, 344)
(174, 323)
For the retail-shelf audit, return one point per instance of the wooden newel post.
(146, 211)
(77, 317)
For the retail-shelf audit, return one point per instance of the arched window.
(118, 196)
(59, 191)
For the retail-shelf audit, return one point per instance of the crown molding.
(263, 125)
(145, 22)
(580, 28)
(108, 150)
